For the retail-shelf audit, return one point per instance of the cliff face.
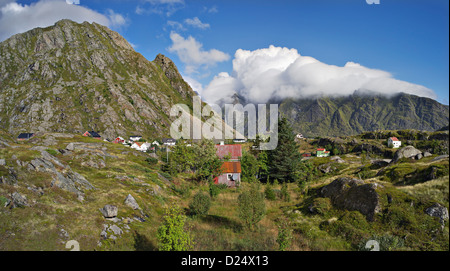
(74, 77)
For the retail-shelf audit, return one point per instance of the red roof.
(394, 139)
(320, 149)
(235, 151)
(231, 167)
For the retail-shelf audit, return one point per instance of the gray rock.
(354, 195)
(109, 211)
(2, 162)
(439, 211)
(130, 201)
(418, 156)
(440, 157)
(70, 147)
(406, 152)
(19, 200)
(115, 229)
(426, 154)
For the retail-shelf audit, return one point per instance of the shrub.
(172, 235)
(251, 206)
(269, 192)
(284, 193)
(320, 206)
(285, 237)
(200, 204)
(151, 160)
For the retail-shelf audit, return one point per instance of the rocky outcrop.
(63, 176)
(131, 202)
(439, 211)
(406, 152)
(354, 195)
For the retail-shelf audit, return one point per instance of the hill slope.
(357, 113)
(74, 77)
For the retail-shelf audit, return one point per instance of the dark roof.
(94, 134)
(25, 135)
(169, 140)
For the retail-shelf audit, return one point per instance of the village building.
(92, 134)
(299, 136)
(119, 140)
(231, 166)
(156, 143)
(393, 142)
(322, 153)
(25, 136)
(143, 147)
(169, 141)
(135, 138)
(239, 140)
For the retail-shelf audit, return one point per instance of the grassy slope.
(38, 227)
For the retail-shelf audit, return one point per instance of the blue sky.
(408, 39)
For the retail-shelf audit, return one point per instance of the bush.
(172, 235)
(251, 206)
(269, 192)
(320, 206)
(200, 204)
(284, 193)
(151, 160)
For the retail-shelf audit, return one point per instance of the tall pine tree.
(284, 160)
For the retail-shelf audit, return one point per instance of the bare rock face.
(353, 195)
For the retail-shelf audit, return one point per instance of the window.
(230, 177)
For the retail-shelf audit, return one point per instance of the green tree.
(200, 204)
(251, 206)
(172, 235)
(249, 167)
(206, 162)
(284, 160)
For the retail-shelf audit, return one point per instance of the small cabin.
(393, 142)
(322, 153)
(231, 174)
(25, 136)
(169, 141)
(92, 134)
(135, 138)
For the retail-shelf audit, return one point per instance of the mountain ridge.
(73, 77)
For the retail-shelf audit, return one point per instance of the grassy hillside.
(53, 215)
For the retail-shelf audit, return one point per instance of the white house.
(135, 138)
(141, 146)
(169, 141)
(393, 142)
(156, 143)
(299, 136)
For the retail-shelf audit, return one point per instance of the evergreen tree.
(284, 160)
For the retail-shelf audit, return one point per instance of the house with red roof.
(321, 152)
(231, 167)
(393, 142)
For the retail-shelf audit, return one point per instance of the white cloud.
(195, 22)
(17, 18)
(191, 53)
(279, 73)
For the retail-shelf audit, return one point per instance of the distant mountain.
(74, 77)
(357, 113)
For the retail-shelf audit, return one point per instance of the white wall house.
(393, 142)
(141, 146)
(135, 138)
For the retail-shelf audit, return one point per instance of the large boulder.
(439, 211)
(131, 202)
(406, 152)
(109, 211)
(353, 195)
